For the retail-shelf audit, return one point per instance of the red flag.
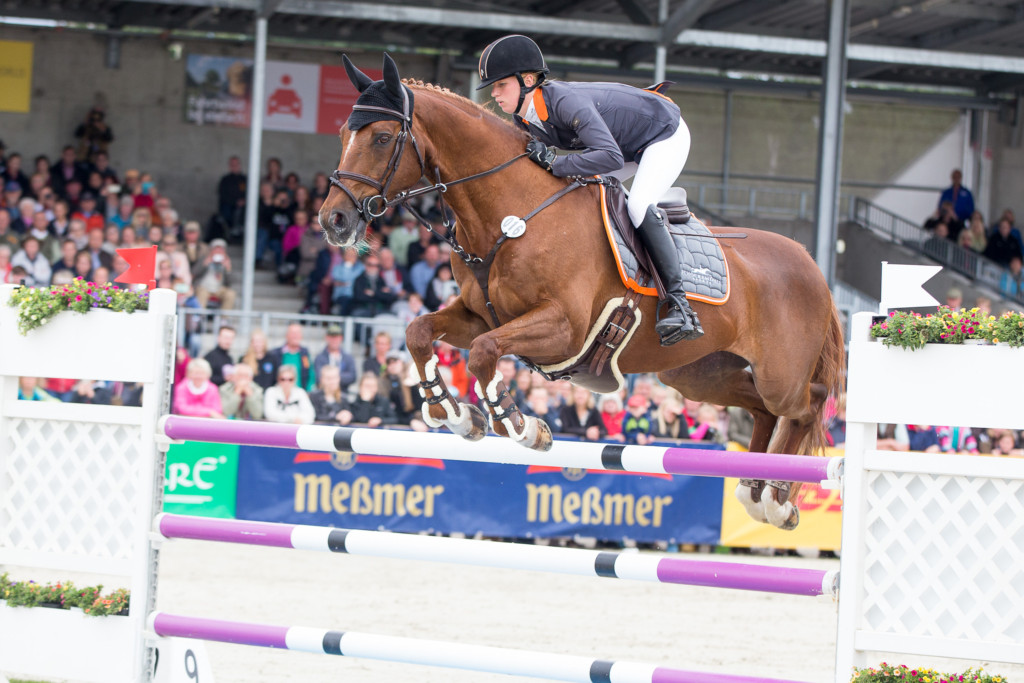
(141, 266)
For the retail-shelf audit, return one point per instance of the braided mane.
(458, 99)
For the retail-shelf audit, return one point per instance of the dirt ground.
(693, 628)
(678, 626)
(684, 627)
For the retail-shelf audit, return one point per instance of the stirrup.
(671, 332)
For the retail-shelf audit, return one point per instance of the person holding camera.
(213, 277)
(94, 135)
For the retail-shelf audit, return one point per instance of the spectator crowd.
(956, 222)
(64, 218)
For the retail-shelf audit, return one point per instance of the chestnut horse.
(775, 348)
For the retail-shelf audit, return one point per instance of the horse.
(775, 348)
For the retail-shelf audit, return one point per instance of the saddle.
(705, 270)
(705, 277)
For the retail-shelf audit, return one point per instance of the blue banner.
(426, 494)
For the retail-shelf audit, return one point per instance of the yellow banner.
(820, 520)
(15, 76)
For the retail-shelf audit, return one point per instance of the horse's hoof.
(750, 497)
(785, 516)
(543, 441)
(478, 423)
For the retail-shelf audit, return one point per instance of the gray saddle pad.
(703, 263)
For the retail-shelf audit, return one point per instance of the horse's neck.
(464, 145)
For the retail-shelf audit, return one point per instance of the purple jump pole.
(434, 653)
(236, 632)
(702, 462)
(575, 454)
(634, 566)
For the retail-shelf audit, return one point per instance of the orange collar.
(539, 104)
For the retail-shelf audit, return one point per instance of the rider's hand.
(540, 154)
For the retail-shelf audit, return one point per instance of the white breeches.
(659, 167)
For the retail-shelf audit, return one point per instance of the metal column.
(830, 138)
(660, 51)
(252, 196)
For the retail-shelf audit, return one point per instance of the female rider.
(620, 130)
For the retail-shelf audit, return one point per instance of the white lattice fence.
(933, 545)
(79, 484)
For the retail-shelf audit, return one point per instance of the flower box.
(66, 643)
(936, 384)
(104, 342)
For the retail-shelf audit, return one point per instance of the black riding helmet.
(512, 56)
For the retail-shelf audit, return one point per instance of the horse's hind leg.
(458, 326)
(723, 378)
(780, 497)
(543, 332)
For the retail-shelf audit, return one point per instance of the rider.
(620, 130)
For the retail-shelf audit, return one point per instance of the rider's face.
(506, 93)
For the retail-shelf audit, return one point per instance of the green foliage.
(912, 330)
(90, 599)
(887, 673)
(38, 305)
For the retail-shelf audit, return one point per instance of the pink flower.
(78, 298)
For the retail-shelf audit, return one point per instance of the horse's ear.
(392, 80)
(360, 80)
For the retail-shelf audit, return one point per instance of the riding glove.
(540, 154)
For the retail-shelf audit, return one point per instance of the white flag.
(902, 286)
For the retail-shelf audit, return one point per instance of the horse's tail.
(830, 373)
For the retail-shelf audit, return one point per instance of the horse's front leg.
(543, 332)
(458, 326)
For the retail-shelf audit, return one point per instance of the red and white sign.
(292, 97)
(337, 95)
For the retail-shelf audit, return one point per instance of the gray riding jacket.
(612, 123)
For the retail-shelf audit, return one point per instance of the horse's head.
(374, 164)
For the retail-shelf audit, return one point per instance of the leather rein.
(376, 205)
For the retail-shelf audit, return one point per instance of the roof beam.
(636, 13)
(961, 34)
(504, 23)
(742, 11)
(855, 51)
(946, 8)
(683, 17)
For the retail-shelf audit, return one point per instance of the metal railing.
(197, 327)
(760, 201)
(899, 230)
(798, 204)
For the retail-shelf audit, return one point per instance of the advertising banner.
(200, 478)
(293, 97)
(218, 90)
(337, 97)
(15, 76)
(425, 494)
(300, 97)
(821, 520)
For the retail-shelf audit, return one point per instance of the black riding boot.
(679, 322)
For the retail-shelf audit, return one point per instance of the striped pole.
(433, 652)
(576, 454)
(633, 566)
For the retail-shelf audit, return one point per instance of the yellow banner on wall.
(15, 76)
(821, 520)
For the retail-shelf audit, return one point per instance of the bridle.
(374, 206)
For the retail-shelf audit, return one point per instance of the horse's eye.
(383, 139)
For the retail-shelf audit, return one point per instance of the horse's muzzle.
(342, 228)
